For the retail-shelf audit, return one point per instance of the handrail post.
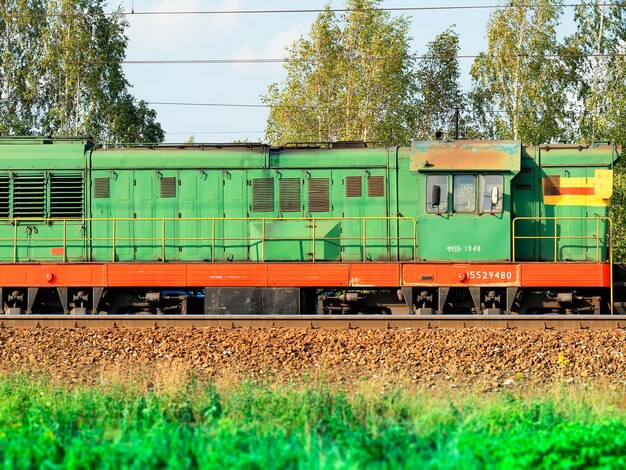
(555, 240)
(14, 241)
(313, 226)
(364, 239)
(598, 239)
(414, 238)
(64, 240)
(610, 263)
(163, 240)
(213, 239)
(113, 239)
(263, 239)
(513, 239)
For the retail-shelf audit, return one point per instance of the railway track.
(526, 322)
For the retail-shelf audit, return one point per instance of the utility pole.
(456, 122)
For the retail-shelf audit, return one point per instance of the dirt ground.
(494, 358)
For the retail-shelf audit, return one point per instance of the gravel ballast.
(494, 357)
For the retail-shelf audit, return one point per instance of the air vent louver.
(354, 186)
(29, 196)
(168, 186)
(101, 188)
(318, 195)
(289, 195)
(263, 195)
(66, 196)
(376, 186)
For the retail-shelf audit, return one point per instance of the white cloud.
(275, 47)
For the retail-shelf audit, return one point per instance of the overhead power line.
(288, 59)
(215, 105)
(250, 105)
(214, 132)
(319, 10)
(347, 10)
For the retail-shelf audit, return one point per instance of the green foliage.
(352, 78)
(131, 122)
(594, 54)
(439, 90)
(519, 93)
(617, 212)
(256, 426)
(62, 72)
(20, 47)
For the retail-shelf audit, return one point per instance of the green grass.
(46, 425)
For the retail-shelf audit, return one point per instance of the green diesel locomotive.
(438, 227)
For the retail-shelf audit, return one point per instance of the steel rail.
(520, 322)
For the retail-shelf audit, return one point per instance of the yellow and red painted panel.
(578, 191)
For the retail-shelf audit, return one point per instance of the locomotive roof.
(466, 155)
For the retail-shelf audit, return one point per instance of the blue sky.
(243, 37)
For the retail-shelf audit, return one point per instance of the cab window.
(464, 193)
(432, 183)
(492, 191)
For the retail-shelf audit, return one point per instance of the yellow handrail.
(556, 237)
(163, 239)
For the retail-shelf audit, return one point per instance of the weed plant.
(249, 425)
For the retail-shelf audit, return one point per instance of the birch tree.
(595, 54)
(520, 82)
(20, 46)
(352, 78)
(61, 73)
(83, 76)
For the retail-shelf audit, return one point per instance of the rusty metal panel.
(466, 155)
(375, 275)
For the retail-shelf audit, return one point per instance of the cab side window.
(436, 188)
(464, 193)
(492, 193)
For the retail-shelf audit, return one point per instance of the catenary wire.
(320, 10)
(287, 59)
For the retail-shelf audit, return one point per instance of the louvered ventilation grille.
(5, 193)
(29, 196)
(263, 195)
(289, 195)
(66, 196)
(168, 186)
(101, 188)
(318, 195)
(353, 186)
(376, 186)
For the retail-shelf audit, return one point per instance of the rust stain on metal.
(467, 155)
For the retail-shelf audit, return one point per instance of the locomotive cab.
(464, 203)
